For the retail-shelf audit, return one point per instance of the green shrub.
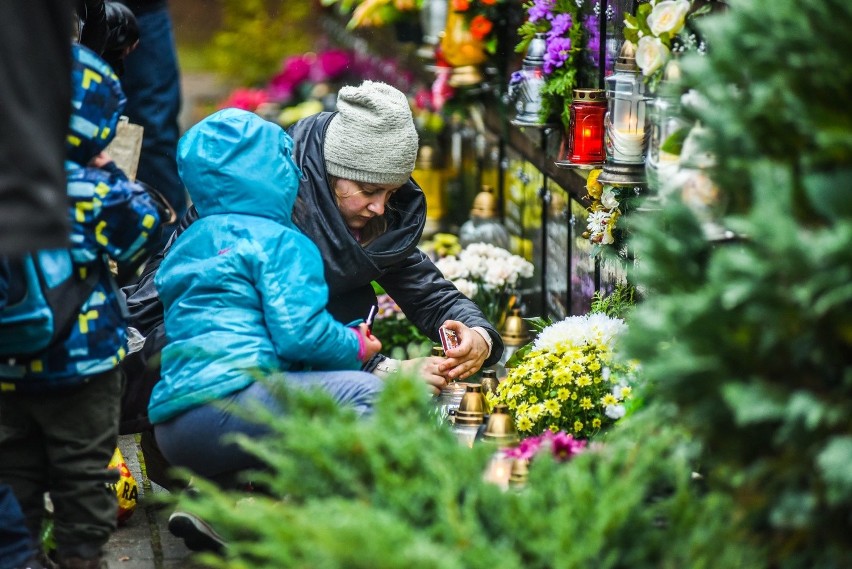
(399, 490)
(752, 339)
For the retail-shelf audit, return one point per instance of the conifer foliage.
(752, 340)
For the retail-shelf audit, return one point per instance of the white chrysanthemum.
(466, 287)
(597, 221)
(452, 268)
(615, 412)
(579, 330)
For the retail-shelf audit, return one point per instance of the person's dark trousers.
(16, 546)
(151, 82)
(61, 442)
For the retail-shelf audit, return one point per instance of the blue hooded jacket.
(243, 289)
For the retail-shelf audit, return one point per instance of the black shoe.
(196, 534)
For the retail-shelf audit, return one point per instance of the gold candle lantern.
(520, 472)
(500, 428)
(469, 415)
(471, 409)
(515, 332)
(484, 225)
(489, 382)
(430, 180)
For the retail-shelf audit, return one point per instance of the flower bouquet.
(487, 275)
(562, 23)
(658, 30)
(569, 379)
(480, 16)
(401, 339)
(374, 13)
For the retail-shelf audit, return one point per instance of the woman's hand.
(429, 369)
(370, 343)
(464, 360)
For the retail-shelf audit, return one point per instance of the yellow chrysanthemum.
(586, 403)
(578, 426)
(524, 424)
(533, 399)
(594, 187)
(625, 392)
(536, 411)
(609, 399)
(515, 391)
(562, 376)
(596, 423)
(552, 406)
(583, 381)
(563, 394)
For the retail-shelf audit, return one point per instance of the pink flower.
(562, 446)
(246, 99)
(330, 64)
(294, 70)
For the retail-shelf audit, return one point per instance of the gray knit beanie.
(372, 137)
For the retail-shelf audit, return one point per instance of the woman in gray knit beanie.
(370, 148)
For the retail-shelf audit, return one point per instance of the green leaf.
(538, 324)
(835, 465)
(753, 403)
(674, 143)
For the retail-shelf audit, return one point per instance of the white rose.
(651, 54)
(668, 16)
(609, 199)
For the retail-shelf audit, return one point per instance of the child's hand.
(100, 160)
(370, 344)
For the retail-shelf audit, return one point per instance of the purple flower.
(560, 25)
(557, 53)
(541, 10)
(591, 23)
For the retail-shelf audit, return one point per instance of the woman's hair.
(375, 227)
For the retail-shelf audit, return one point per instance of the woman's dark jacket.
(393, 260)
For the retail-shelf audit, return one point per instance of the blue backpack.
(40, 297)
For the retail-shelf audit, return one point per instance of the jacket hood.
(236, 162)
(97, 102)
(347, 263)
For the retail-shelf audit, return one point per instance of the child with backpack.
(60, 389)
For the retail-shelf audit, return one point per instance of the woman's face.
(359, 202)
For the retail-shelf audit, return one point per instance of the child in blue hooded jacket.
(59, 408)
(245, 298)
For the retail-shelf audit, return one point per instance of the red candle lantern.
(586, 127)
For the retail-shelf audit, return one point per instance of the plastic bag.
(126, 488)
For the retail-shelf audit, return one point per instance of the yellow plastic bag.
(126, 488)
